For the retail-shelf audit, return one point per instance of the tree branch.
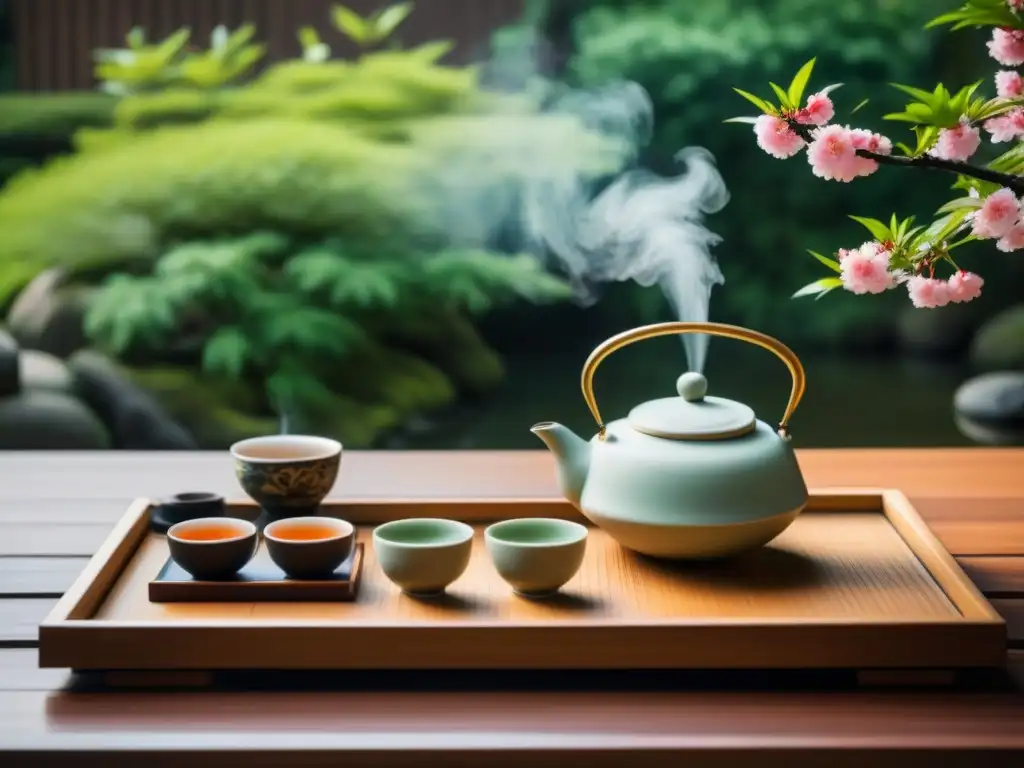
(1009, 180)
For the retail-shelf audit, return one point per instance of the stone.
(46, 420)
(41, 370)
(49, 315)
(943, 332)
(999, 343)
(990, 408)
(10, 375)
(136, 420)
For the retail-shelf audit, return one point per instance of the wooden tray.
(858, 581)
(261, 580)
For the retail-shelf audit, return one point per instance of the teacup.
(423, 556)
(309, 547)
(287, 475)
(536, 556)
(213, 548)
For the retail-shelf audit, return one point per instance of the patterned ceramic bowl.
(287, 475)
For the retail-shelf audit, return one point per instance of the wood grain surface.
(973, 499)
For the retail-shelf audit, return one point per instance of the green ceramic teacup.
(423, 555)
(536, 556)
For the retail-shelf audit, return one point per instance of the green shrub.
(327, 231)
(58, 114)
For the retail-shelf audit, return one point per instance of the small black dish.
(180, 507)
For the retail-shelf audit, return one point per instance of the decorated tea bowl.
(287, 475)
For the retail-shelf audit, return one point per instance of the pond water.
(849, 402)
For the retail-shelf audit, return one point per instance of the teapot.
(686, 477)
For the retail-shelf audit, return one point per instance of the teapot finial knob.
(692, 386)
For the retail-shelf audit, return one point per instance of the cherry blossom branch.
(1009, 180)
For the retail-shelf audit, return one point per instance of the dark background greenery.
(689, 55)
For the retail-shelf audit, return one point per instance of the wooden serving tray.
(857, 582)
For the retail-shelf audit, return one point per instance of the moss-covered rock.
(217, 412)
(999, 343)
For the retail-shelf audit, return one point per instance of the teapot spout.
(572, 454)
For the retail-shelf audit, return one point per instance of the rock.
(944, 332)
(10, 376)
(990, 408)
(999, 343)
(49, 316)
(41, 370)
(136, 420)
(44, 420)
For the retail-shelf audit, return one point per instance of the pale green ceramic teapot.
(689, 476)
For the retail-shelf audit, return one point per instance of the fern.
(131, 312)
(479, 281)
(226, 352)
(346, 283)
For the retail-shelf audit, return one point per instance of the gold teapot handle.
(626, 338)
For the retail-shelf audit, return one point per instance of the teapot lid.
(693, 415)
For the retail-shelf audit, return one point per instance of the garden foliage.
(300, 229)
(690, 55)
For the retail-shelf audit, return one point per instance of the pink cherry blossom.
(1007, 46)
(873, 142)
(964, 286)
(1006, 127)
(957, 143)
(866, 270)
(833, 156)
(997, 214)
(928, 292)
(1012, 240)
(776, 138)
(819, 110)
(1015, 5)
(1009, 84)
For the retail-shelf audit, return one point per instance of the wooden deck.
(55, 509)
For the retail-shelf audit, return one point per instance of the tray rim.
(68, 636)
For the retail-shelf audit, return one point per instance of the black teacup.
(287, 475)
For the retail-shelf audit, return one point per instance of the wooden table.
(55, 509)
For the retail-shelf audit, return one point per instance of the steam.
(641, 226)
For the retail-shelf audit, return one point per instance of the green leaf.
(226, 352)
(824, 285)
(859, 106)
(922, 96)
(782, 96)
(877, 229)
(903, 117)
(354, 26)
(960, 202)
(894, 226)
(760, 103)
(799, 83)
(136, 38)
(750, 120)
(388, 20)
(432, 52)
(309, 37)
(830, 263)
